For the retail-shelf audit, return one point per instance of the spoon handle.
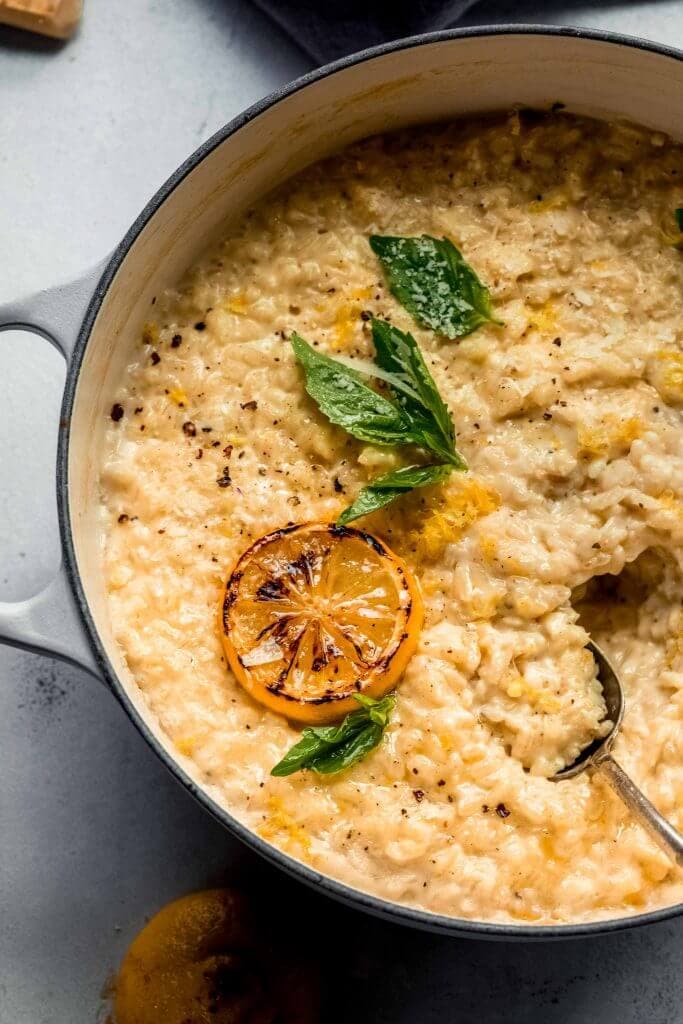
(669, 838)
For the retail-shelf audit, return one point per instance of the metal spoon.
(597, 757)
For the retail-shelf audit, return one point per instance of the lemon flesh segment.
(315, 613)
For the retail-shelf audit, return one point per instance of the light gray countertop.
(94, 834)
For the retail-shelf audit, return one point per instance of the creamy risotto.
(568, 520)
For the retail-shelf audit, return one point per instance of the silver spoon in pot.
(597, 757)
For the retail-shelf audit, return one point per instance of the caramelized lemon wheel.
(313, 614)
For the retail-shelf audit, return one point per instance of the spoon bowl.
(597, 757)
(614, 702)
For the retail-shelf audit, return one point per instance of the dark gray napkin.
(332, 28)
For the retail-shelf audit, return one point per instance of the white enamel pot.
(95, 322)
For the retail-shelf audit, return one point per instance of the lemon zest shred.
(185, 745)
(544, 319)
(347, 316)
(457, 509)
(278, 821)
(178, 396)
(612, 430)
(236, 304)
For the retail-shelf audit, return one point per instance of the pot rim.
(393, 912)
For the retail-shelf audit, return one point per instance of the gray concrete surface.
(94, 835)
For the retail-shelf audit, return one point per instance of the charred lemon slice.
(313, 614)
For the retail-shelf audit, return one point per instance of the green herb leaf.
(406, 371)
(435, 283)
(387, 488)
(679, 218)
(417, 415)
(344, 397)
(328, 749)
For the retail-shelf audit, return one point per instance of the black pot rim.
(393, 912)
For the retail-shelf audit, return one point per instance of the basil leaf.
(418, 415)
(355, 749)
(344, 397)
(430, 277)
(328, 749)
(378, 710)
(317, 742)
(679, 218)
(385, 490)
(414, 388)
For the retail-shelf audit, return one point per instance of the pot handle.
(49, 622)
(56, 314)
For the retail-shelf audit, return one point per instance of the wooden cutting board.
(57, 18)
